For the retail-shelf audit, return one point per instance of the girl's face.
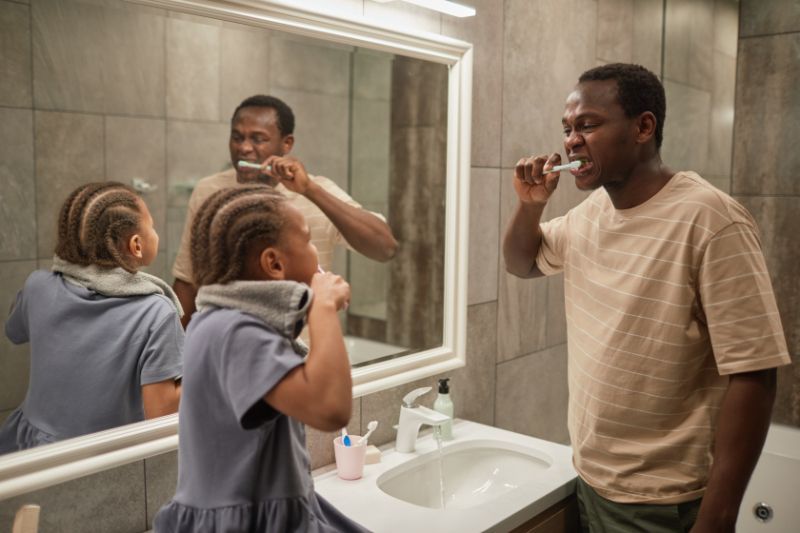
(147, 234)
(300, 254)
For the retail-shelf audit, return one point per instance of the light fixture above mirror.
(443, 6)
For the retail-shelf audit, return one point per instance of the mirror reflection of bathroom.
(124, 92)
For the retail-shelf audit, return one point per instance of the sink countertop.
(363, 501)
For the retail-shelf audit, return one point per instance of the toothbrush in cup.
(370, 428)
(346, 438)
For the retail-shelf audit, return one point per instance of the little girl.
(243, 465)
(106, 340)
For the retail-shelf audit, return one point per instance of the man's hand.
(288, 171)
(531, 184)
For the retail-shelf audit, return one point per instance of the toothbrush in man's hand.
(250, 164)
(558, 168)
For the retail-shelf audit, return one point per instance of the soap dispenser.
(444, 405)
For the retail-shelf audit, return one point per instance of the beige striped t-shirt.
(324, 234)
(663, 301)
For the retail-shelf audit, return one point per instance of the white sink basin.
(472, 473)
(494, 480)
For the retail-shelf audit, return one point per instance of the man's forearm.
(366, 233)
(522, 240)
(742, 426)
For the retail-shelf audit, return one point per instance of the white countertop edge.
(362, 501)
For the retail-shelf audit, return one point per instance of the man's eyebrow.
(587, 114)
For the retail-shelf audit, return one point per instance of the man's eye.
(259, 140)
(567, 131)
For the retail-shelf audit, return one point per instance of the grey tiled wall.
(766, 163)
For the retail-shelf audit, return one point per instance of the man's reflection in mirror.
(106, 341)
(261, 139)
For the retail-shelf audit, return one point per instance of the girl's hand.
(330, 288)
(533, 186)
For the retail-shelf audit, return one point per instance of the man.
(262, 135)
(673, 330)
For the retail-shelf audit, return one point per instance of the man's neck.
(643, 182)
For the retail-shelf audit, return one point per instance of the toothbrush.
(370, 427)
(248, 164)
(345, 437)
(558, 168)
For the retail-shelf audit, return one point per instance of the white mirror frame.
(34, 469)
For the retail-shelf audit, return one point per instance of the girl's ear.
(135, 247)
(272, 263)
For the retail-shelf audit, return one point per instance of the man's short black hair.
(282, 110)
(638, 90)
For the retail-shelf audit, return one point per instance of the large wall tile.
(720, 147)
(17, 187)
(193, 69)
(244, 63)
(615, 23)
(69, 153)
(309, 65)
(766, 125)
(535, 85)
(133, 60)
(320, 443)
(136, 148)
(372, 75)
(686, 130)
(161, 479)
(194, 150)
(522, 303)
(472, 388)
(14, 359)
(15, 55)
(67, 56)
(648, 17)
(369, 151)
(689, 42)
(777, 221)
(532, 395)
(485, 32)
(726, 26)
(112, 501)
(484, 235)
(766, 17)
(321, 132)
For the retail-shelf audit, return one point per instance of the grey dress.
(243, 466)
(90, 356)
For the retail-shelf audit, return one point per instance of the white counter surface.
(365, 503)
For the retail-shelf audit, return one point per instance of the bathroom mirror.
(142, 92)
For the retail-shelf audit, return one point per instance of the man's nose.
(572, 140)
(245, 146)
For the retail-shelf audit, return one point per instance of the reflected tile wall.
(686, 130)
(193, 59)
(69, 152)
(17, 186)
(15, 55)
(769, 17)
(615, 30)
(244, 65)
(689, 45)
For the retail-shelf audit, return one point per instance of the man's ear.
(287, 143)
(272, 263)
(135, 246)
(646, 127)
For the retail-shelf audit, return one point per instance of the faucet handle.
(411, 397)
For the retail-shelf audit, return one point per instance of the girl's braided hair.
(229, 224)
(95, 223)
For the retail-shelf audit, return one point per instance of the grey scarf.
(115, 281)
(281, 305)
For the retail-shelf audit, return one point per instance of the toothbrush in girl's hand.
(345, 437)
(370, 428)
(558, 168)
(321, 271)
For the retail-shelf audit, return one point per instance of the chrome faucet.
(412, 416)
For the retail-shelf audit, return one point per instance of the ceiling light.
(443, 6)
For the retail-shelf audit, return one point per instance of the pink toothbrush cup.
(349, 459)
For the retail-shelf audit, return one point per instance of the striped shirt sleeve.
(552, 251)
(738, 303)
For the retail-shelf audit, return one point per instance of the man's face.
(597, 131)
(254, 137)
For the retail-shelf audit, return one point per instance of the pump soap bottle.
(444, 405)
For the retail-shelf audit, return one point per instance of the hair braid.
(228, 225)
(95, 222)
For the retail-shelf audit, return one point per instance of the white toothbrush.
(370, 428)
(248, 164)
(558, 168)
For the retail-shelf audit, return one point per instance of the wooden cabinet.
(562, 517)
